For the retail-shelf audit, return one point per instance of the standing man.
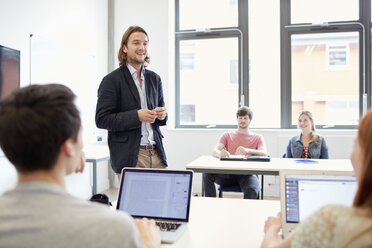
(131, 107)
(240, 142)
(41, 135)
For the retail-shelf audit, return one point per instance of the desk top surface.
(224, 222)
(212, 164)
(96, 152)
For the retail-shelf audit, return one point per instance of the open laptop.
(160, 194)
(304, 192)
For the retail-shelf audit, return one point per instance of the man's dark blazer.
(117, 105)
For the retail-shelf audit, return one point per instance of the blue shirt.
(317, 149)
(146, 128)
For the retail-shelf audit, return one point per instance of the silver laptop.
(304, 192)
(160, 194)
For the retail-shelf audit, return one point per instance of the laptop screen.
(304, 194)
(158, 194)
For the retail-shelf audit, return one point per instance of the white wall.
(8, 175)
(68, 46)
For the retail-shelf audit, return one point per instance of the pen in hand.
(224, 153)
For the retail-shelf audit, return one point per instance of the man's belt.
(149, 147)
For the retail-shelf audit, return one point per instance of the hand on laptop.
(273, 223)
(149, 232)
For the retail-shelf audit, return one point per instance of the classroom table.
(210, 164)
(94, 154)
(225, 222)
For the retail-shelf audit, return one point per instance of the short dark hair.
(243, 111)
(122, 56)
(34, 122)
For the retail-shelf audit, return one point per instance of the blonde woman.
(308, 144)
(337, 225)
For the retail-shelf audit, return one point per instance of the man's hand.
(242, 151)
(224, 154)
(149, 232)
(145, 115)
(161, 112)
(81, 165)
(273, 223)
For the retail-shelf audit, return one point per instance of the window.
(197, 14)
(187, 61)
(277, 57)
(323, 62)
(206, 82)
(313, 58)
(187, 113)
(319, 11)
(219, 69)
(208, 63)
(234, 71)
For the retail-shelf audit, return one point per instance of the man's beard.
(138, 62)
(243, 127)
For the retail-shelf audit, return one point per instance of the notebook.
(247, 158)
(160, 194)
(304, 192)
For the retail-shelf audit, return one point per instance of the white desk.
(224, 222)
(210, 164)
(94, 154)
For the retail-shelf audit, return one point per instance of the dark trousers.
(248, 184)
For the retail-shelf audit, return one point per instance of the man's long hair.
(122, 56)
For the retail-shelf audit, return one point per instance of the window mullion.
(244, 54)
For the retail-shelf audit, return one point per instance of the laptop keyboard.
(168, 226)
